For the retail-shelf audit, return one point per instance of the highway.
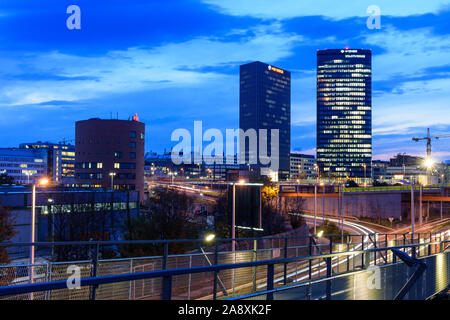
(302, 274)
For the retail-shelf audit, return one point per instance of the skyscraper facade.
(344, 113)
(265, 103)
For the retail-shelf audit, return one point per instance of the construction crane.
(428, 160)
(428, 138)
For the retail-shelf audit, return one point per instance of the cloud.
(137, 68)
(407, 53)
(287, 9)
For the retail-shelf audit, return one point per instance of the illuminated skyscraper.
(265, 103)
(344, 113)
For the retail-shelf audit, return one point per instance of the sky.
(175, 62)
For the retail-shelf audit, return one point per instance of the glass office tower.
(265, 103)
(344, 113)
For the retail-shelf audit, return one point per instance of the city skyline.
(170, 62)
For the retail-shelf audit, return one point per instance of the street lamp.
(429, 165)
(42, 182)
(172, 174)
(112, 175)
(210, 237)
(365, 167)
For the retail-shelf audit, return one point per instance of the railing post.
(130, 285)
(348, 256)
(328, 284)
(331, 244)
(166, 255)
(255, 258)
(216, 260)
(362, 249)
(94, 271)
(167, 287)
(310, 261)
(270, 274)
(285, 256)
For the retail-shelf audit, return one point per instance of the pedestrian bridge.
(395, 266)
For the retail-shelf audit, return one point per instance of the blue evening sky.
(177, 61)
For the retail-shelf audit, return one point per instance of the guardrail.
(168, 276)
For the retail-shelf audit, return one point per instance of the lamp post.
(112, 174)
(315, 206)
(412, 210)
(429, 165)
(365, 167)
(42, 182)
(323, 203)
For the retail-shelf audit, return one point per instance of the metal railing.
(245, 270)
(167, 276)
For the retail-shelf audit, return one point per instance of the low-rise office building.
(60, 161)
(69, 214)
(23, 165)
(303, 166)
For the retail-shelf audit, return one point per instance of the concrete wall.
(358, 205)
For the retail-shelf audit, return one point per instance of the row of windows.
(97, 176)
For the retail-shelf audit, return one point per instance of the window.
(127, 166)
(116, 165)
(132, 134)
(132, 144)
(142, 136)
(132, 155)
(117, 154)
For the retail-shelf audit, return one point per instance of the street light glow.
(319, 234)
(43, 182)
(210, 237)
(429, 162)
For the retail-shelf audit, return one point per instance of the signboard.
(247, 205)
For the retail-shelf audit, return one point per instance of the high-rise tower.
(344, 113)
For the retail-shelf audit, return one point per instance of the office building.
(23, 165)
(109, 154)
(53, 205)
(303, 166)
(404, 159)
(265, 103)
(60, 161)
(344, 113)
(379, 170)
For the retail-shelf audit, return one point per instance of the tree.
(164, 217)
(82, 222)
(7, 231)
(5, 179)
